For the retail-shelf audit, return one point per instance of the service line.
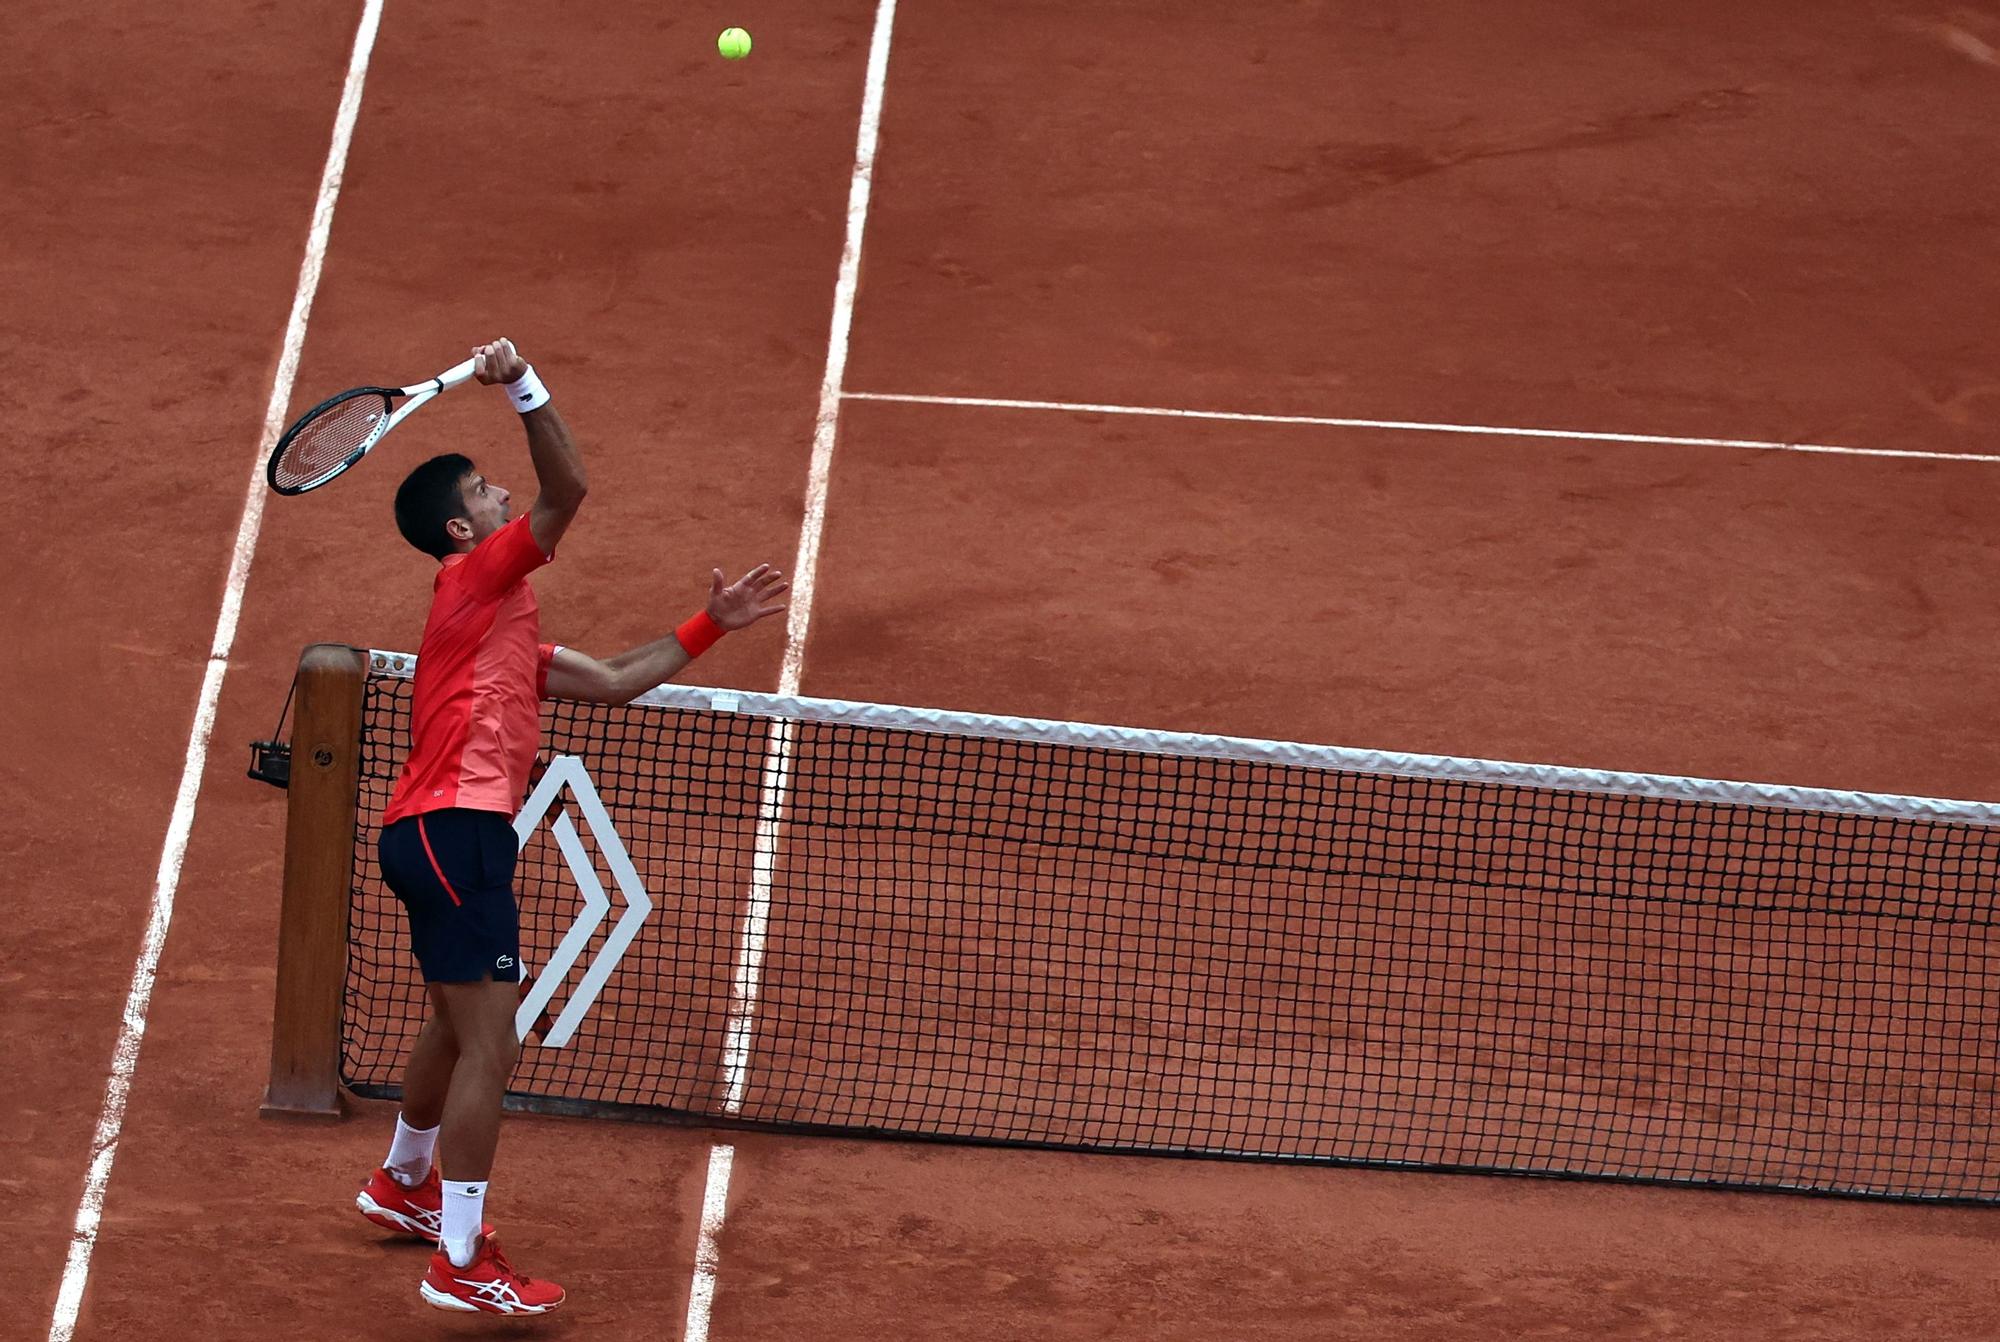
(1413, 426)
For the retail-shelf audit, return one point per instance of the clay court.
(1597, 384)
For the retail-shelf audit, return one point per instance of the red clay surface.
(961, 1244)
(1697, 611)
(1756, 221)
(146, 280)
(1719, 220)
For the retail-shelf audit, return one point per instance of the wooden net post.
(320, 825)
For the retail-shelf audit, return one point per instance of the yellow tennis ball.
(734, 44)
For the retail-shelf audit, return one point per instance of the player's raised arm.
(558, 467)
(621, 679)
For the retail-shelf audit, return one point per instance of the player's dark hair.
(428, 498)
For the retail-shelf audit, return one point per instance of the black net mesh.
(880, 930)
(327, 440)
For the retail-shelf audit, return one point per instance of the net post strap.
(320, 836)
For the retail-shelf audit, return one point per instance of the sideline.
(132, 1030)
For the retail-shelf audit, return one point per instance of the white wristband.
(527, 392)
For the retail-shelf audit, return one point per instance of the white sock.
(464, 1212)
(410, 1154)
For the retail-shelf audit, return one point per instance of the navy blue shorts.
(454, 872)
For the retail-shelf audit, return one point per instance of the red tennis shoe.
(487, 1285)
(417, 1211)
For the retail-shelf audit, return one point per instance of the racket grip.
(454, 375)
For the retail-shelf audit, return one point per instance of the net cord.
(1295, 754)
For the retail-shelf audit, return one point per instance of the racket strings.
(328, 440)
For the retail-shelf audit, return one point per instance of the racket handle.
(454, 375)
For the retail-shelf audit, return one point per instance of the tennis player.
(447, 845)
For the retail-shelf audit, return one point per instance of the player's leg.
(481, 1018)
(404, 1193)
(474, 976)
(475, 980)
(426, 1082)
(427, 1071)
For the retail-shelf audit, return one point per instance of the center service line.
(776, 785)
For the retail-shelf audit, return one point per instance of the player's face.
(487, 505)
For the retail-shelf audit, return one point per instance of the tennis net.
(864, 919)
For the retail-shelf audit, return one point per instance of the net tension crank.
(271, 761)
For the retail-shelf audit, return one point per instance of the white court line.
(132, 1029)
(774, 793)
(714, 1198)
(1414, 426)
(777, 761)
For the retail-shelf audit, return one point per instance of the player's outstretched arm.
(621, 679)
(558, 467)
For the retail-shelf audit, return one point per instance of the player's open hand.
(497, 362)
(747, 600)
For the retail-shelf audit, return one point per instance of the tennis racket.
(337, 433)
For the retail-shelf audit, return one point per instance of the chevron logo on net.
(567, 786)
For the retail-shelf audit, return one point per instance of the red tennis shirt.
(475, 711)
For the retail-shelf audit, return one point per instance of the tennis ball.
(734, 44)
